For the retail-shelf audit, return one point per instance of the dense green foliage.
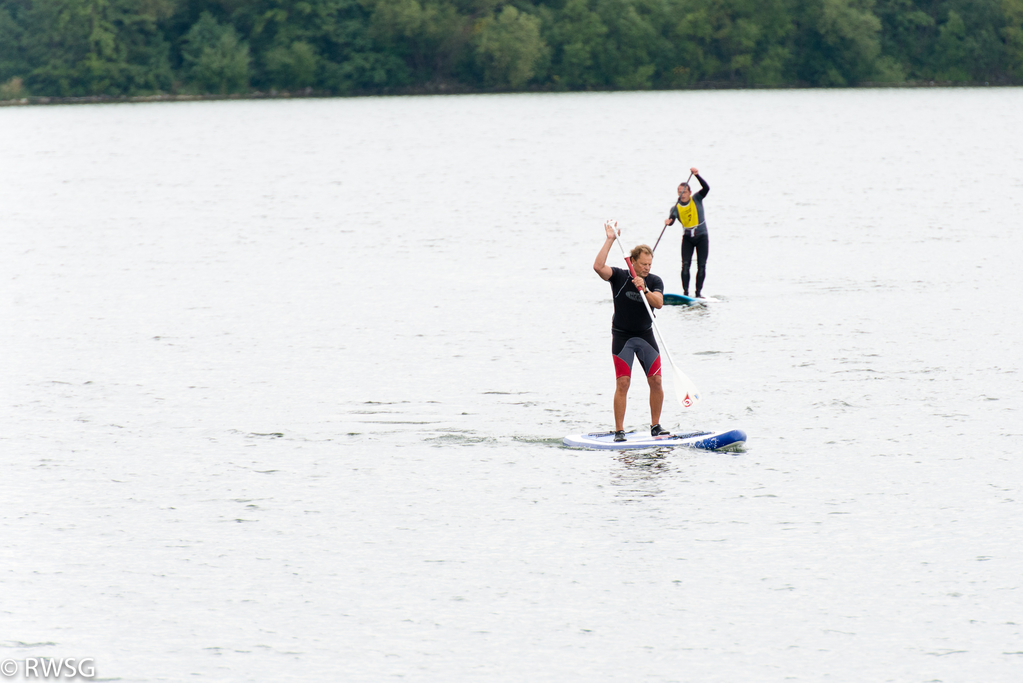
(135, 47)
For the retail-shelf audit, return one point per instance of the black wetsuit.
(632, 333)
(694, 238)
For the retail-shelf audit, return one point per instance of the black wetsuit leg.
(702, 244)
(688, 244)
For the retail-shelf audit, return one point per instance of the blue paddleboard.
(730, 440)
(683, 300)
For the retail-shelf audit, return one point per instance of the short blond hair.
(640, 249)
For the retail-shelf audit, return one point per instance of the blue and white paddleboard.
(683, 300)
(731, 440)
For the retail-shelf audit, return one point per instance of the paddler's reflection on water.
(632, 334)
(640, 474)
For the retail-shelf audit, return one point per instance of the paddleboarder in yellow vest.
(688, 210)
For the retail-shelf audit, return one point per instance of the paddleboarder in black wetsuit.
(632, 332)
(688, 210)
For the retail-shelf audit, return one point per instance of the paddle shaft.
(666, 227)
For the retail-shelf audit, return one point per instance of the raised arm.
(704, 187)
(600, 266)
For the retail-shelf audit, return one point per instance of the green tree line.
(73, 48)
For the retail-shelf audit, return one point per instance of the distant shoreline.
(450, 90)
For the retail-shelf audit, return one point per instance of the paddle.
(686, 392)
(654, 250)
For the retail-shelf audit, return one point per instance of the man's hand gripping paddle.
(685, 390)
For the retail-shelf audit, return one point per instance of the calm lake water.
(284, 385)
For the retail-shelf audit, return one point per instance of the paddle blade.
(685, 390)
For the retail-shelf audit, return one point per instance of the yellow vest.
(688, 215)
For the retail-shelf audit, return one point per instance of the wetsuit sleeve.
(618, 277)
(704, 187)
(673, 214)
